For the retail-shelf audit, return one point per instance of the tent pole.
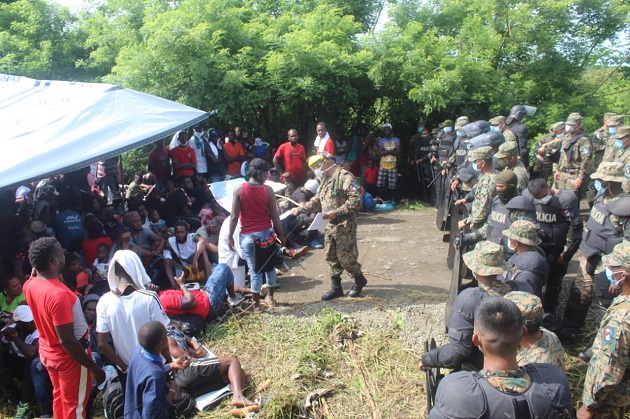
(123, 193)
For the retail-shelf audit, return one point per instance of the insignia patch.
(586, 150)
(567, 214)
(353, 187)
(608, 334)
(482, 198)
(626, 171)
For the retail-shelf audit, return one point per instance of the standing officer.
(498, 124)
(507, 157)
(481, 159)
(339, 198)
(518, 113)
(543, 165)
(606, 384)
(619, 150)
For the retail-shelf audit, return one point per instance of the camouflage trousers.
(565, 181)
(585, 283)
(341, 250)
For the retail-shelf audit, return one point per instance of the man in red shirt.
(290, 160)
(184, 159)
(159, 164)
(63, 342)
(234, 154)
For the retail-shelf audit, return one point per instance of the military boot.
(335, 289)
(359, 282)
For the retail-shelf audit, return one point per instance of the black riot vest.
(599, 236)
(461, 150)
(498, 221)
(553, 226)
(445, 149)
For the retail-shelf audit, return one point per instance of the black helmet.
(493, 139)
(519, 112)
(213, 132)
(484, 126)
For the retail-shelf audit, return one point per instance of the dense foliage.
(274, 64)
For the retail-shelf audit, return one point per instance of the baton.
(434, 179)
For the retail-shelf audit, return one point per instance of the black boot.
(359, 283)
(586, 354)
(335, 289)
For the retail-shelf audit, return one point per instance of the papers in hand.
(318, 223)
(209, 399)
(285, 214)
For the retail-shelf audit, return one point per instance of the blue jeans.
(221, 278)
(43, 386)
(247, 246)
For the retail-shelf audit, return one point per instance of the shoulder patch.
(585, 151)
(626, 171)
(608, 334)
(353, 187)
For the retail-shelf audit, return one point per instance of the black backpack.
(114, 399)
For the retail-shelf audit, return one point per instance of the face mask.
(507, 193)
(459, 134)
(199, 134)
(420, 128)
(495, 128)
(560, 135)
(569, 128)
(598, 186)
(512, 248)
(448, 129)
(319, 173)
(612, 130)
(543, 201)
(503, 162)
(475, 168)
(619, 144)
(609, 277)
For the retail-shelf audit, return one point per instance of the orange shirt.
(231, 151)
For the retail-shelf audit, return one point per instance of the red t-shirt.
(53, 304)
(159, 163)
(254, 214)
(171, 301)
(234, 150)
(293, 158)
(183, 156)
(371, 175)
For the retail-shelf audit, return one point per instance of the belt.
(570, 171)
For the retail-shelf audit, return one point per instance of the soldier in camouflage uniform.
(607, 385)
(502, 388)
(498, 124)
(601, 233)
(601, 142)
(543, 165)
(339, 198)
(619, 150)
(507, 157)
(460, 122)
(539, 345)
(575, 156)
(485, 190)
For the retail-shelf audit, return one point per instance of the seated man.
(538, 345)
(187, 252)
(210, 233)
(502, 388)
(207, 372)
(206, 303)
(485, 262)
(148, 394)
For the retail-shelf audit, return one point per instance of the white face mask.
(569, 128)
(512, 248)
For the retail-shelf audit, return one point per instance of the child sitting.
(100, 267)
(75, 276)
(156, 224)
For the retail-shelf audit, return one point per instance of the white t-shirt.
(202, 163)
(123, 316)
(184, 251)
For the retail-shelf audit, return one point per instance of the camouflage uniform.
(607, 383)
(339, 192)
(548, 350)
(507, 150)
(484, 193)
(543, 164)
(622, 155)
(511, 381)
(575, 158)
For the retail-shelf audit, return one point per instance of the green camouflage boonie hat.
(620, 256)
(507, 149)
(497, 120)
(610, 171)
(608, 115)
(447, 123)
(461, 121)
(529, 304)
(486, 259)
(556, 126)
(523, 231)
(615, 121)
(481, 153)
(622, 132)
(574, 119)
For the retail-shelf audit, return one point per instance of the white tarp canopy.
(52, 127)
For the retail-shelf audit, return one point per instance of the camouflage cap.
(447, 123)
(524, 232)
(435, 131)
(620, 256)
(486, 259)
(480, 153)
(574, 119)
(610, 171)
(556, 126)
(607, 115)
(615, 121)
(497, 120)
(507, 149)
(529, 304)
(461, 121)
(622, 132)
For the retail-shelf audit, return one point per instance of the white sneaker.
(238, 298)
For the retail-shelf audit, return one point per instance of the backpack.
(114, 399)
(182, 406)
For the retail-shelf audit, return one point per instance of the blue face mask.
(420, 128)
(560, 135)
(612, 130)
(609, 277)
(475, 168)
(459, 134)
(495, 128)
(619, 144)
(598, 186)
(447, 129)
